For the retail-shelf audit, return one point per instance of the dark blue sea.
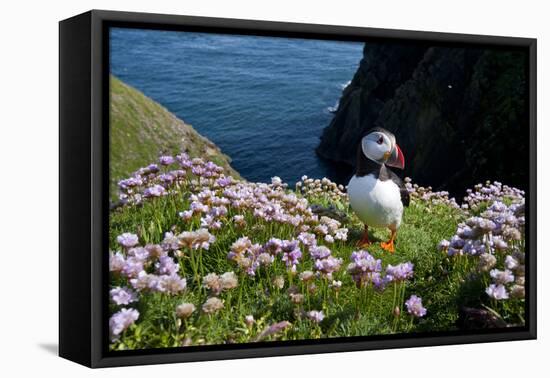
(263, 100)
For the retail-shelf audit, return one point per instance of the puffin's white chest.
(377, 203)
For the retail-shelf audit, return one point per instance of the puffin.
(376, 194)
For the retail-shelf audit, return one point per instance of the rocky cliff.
(459, 114)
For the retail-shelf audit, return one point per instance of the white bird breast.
(377, 203)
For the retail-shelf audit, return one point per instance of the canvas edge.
(99, 118)
(75, 334)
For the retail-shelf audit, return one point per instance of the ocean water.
(263, 100)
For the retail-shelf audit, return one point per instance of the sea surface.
(263, 100)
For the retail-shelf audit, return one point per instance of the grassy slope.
(140, 128)
(437, 278)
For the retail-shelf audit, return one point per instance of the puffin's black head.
(378, 145)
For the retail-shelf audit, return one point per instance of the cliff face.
(459, 114)
(141, 129)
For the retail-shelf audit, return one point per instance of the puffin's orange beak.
(397, 159)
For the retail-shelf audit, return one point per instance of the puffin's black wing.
(405, 197)
(387, 174)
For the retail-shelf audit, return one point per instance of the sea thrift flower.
(122, 296)
(276, 181)
(511, 263)
(167, 179)
(172, 284)
(166, 160)
(336, 285)
(502, 277)
(210, 223)
(307, 239)
(121, 320)
(196, 239)
(321, 229)
(273, 246)
(444, 245)
(400, 272)
(265, 259)
(185, 310)
(127, 240)
(304, 227)
(116, 262)
(365, 262)
(486, 225)
(474, 247)
(132, 267)
(145, 281)
(139, 253)
(279, 282)
(170, 242)
(166, 265)
(246, 255)
(228, 281)
(307, 275)
(520, 280)
(154, 191)
(198, 171)
(497, 292)
(328, 265)
(341, 234)
(212, 305)
(380, 282)
(511, 233)
(154, 250)
(212, 170)
(212, 282)
(186, 215)
(319, 252)
(198, 208)
(291, 253)
(414, 306)
(224, 181)
(363, 267)
(486, 262)
(273, 329)
(500, 244)
(130, 182)
(241, 245)
(517, 291)
(316, 316)
(218, 211)
(457, 242)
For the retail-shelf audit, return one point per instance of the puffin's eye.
(380, 140)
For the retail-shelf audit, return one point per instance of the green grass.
(438, 279)
(140, 128)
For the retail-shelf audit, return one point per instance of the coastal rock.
(459, 114)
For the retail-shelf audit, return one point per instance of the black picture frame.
(83, 195)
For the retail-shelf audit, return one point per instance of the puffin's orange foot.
(388, 246)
